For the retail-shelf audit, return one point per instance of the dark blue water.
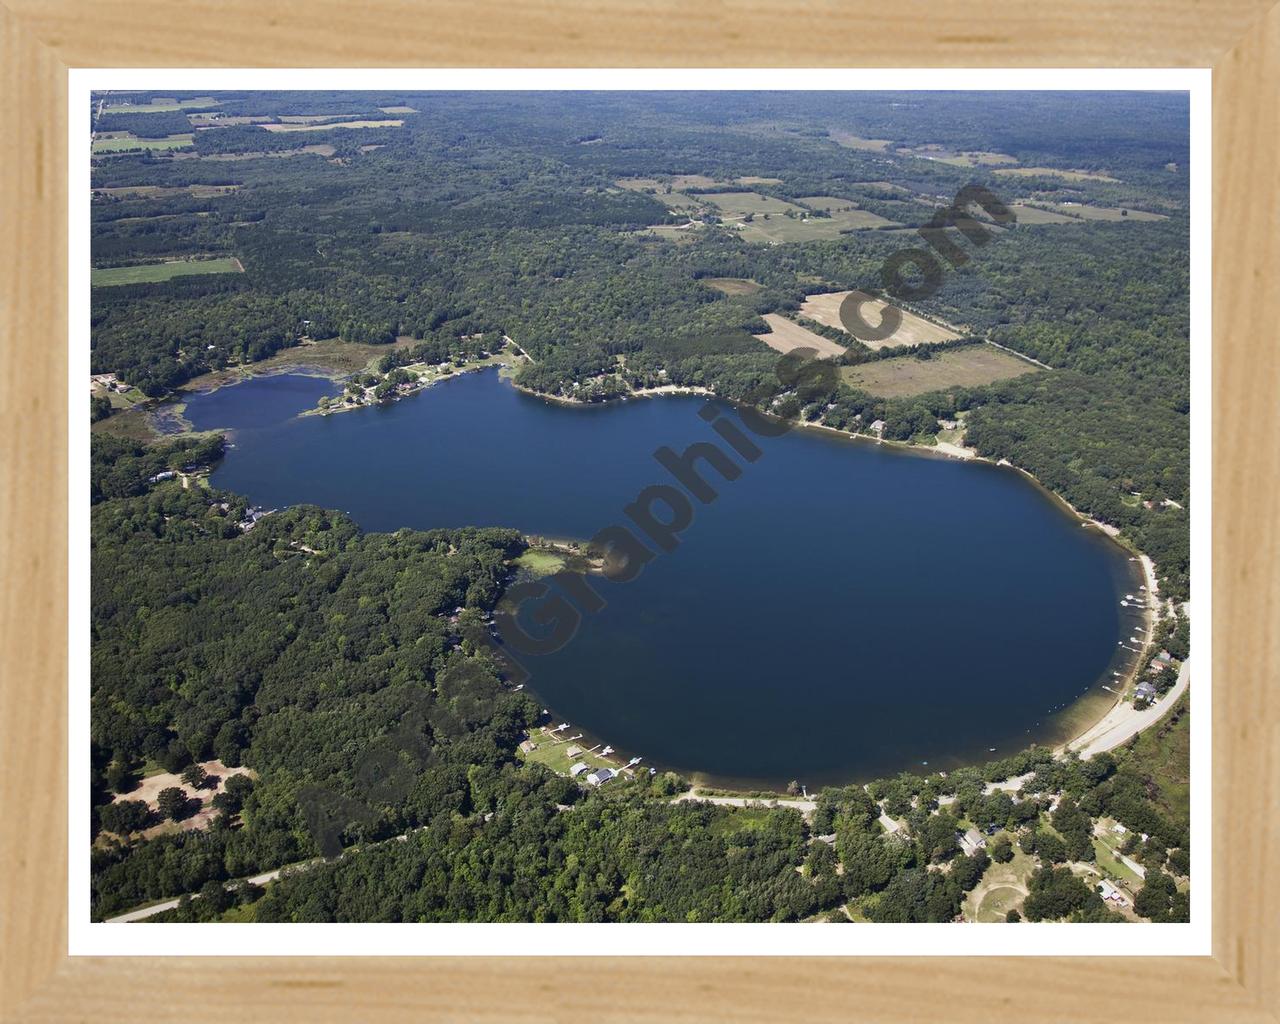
(842, 611)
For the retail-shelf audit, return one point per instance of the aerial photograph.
(639, 506)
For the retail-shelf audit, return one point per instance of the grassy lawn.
(551, 751)
(1001, 888)
(541, 562)
(117, 145)
(148, 272)
(970, 366)
(1113, 866)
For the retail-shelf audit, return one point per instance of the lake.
(842, 611)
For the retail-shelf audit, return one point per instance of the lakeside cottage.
(578, 769)
(972, 841)
(601, 776)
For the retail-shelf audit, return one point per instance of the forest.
(354, 673)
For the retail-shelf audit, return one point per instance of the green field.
(145, 273)
(1032, 172)
(159, 106)
(965, 367)
(775, 221)
(1035, 215)
(732, 285)
(1104, 213)
(129, 142)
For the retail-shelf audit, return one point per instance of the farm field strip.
(787, 335)
(118, 144)
(905, 376)
(914, 330)
(396, 123)
(1084, 212)
(159, 106)
(1033, 172)
(145, 273)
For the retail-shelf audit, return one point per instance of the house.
(1145, 691)
(528, 746)
(168, 474)
(1164, 658)
(573, 752)
(1109, 892)
(578, 769)
(600, 776)
(877, 427)
(972, 841)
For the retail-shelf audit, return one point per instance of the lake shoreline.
(565, 545)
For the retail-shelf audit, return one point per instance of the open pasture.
(914, 330)
(398, 110)
(732, 285)
(146, 273)
(158, 106)
(750, 179)
(119, 143)
(1036, 215)
(779, 230)
(787, 335)
(742, 204)
(216, 120)
(1055, 172)
(962, 158)
(672, 232)
(395, 123)
(904, 376)
(1084, 212)
(676, 181)
(156, 191)
(851, 141)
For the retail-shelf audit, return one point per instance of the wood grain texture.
(657, 33)
(40, 38)
(1246, 543)
(33, 511)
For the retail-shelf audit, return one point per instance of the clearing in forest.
(146, 273)
(788, 335)
(774, 221)
(158, 106)
(957, 158)
(904, 376)
(331, 125)
(732, 285)
(1034, 172)
(1035, 215)
(914, 330)
(851, 141)
(1103, 213)
(119, 143)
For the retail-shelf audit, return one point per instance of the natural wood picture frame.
(41, 39)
